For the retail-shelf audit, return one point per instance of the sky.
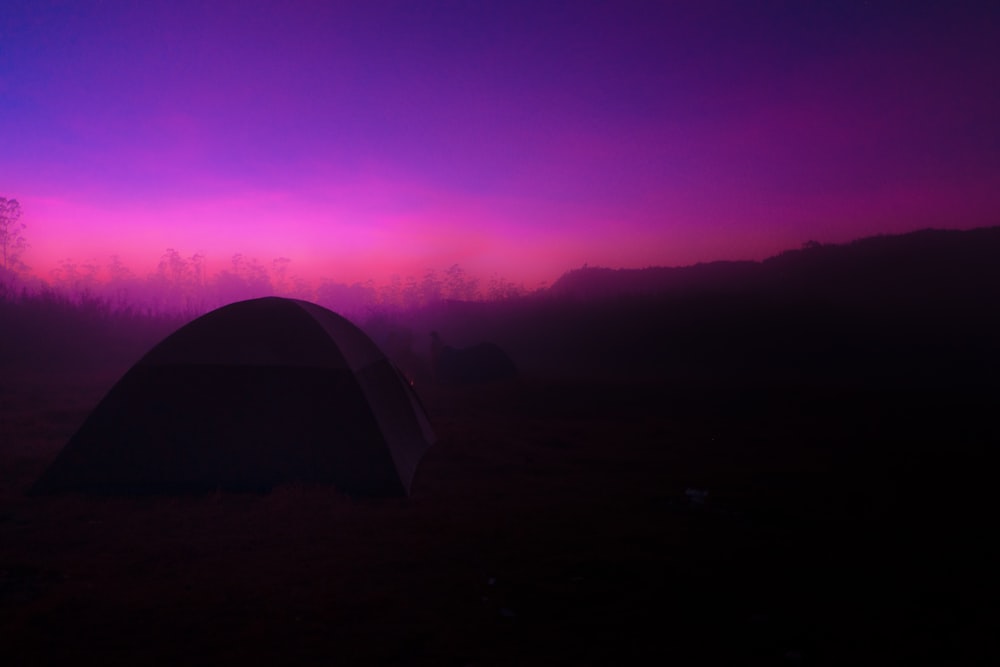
(521, 139)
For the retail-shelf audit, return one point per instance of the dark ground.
(554, 523)
(779, 464)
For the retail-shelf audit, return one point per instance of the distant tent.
(252, 395)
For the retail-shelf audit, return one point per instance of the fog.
(791, 453)
(908, 309)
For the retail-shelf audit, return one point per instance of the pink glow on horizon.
(363, 143)
(352, 240)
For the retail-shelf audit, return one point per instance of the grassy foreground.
(554, 523)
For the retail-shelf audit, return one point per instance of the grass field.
(553, 523)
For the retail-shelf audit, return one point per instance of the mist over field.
(883, 307)
(792, 451)
(498, 333)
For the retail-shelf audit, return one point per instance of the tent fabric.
(252, 395)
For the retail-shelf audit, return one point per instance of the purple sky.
(521, 138)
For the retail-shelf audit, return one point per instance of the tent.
(249, 396)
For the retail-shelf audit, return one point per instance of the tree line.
(183, 284)
(12, 241)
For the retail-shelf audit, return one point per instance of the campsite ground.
(555, 522)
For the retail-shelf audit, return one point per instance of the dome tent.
(247, 397)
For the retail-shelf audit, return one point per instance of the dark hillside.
(601, 283)
(919, 307)
(928, 267)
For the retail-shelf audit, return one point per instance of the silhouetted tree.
(253, 273)
(12, 241)
(459, 285)
(247, 279)
(279, 271)
(121, 281)
(431, 287)
(179, 282)
(411, 293)
(500, 289)
(77, 281)
(392, 294)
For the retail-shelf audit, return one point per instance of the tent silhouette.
(249, 396)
